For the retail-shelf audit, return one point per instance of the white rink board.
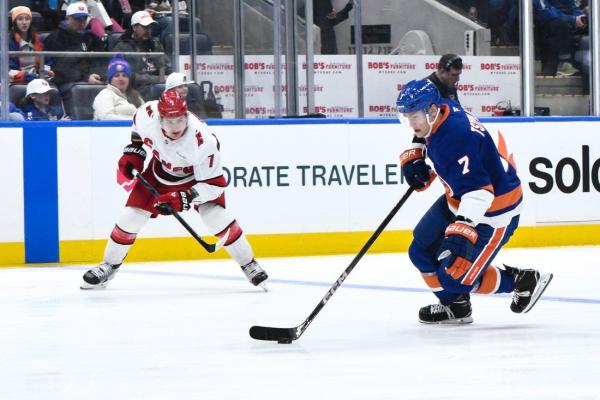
(11, 175)
(285, 203)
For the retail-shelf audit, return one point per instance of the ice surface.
(179, 330)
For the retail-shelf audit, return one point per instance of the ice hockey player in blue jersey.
(456, 240)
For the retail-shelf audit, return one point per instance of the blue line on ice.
(346, 285)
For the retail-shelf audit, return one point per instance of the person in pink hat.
(23, 37)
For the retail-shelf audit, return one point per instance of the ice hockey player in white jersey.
(185, 168)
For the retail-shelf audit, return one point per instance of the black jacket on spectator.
(321, 10)
(146, 70)
(74, 69)
(445, 91)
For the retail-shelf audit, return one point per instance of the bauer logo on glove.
(174, 201)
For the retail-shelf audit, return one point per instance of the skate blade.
(263, 286)
(457, 321)
(87, 286)
(545, 280)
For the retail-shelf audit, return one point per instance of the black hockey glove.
(415, 170)
(133, 158)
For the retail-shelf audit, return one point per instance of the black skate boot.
(255, 274)
(457, 312)
(98, 278)
(529, 286)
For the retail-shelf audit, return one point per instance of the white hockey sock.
(240, 251)
(124, 234)
(218, 220)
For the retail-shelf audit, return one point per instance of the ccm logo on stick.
(569, 174)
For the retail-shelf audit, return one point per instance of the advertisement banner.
(486, 84)
(342, 177)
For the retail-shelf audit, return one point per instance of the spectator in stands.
(99, 21)
(23, 37)
(14, 114)
(36, 105)
(162, 14)
(146, 70)
(326, 18)
(475, 10)
(179, 83)
(503, 21)
(51, 11)
(72, 35)
(447, 76)
(557, 23)
(118, 100)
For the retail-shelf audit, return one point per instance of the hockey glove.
(133, 158)
(458, 247)
(415, 170)
(174, 201)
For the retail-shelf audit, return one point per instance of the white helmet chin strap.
(431, 121)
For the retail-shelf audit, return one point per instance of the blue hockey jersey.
(466, 159)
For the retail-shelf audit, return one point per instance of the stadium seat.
(83, 95)
(203, 44)
(37, 21)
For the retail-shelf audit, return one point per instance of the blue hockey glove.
(415, 170)
(458, 247)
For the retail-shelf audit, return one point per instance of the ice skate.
(98, 278)
(255, 274)
(529, 286)
(457, 312)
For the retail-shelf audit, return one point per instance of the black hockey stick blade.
(282, 335)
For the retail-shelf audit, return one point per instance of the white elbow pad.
(473, 205)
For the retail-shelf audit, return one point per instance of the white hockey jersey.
(194, 156)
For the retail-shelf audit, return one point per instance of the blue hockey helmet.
(417, 95)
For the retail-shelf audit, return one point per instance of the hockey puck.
(284, 341)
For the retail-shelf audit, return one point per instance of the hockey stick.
(287, 335)
(211, 248)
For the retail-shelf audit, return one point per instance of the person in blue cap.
(119, 100)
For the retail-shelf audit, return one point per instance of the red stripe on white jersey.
(234, 232)
(219, 181)
(119, 236)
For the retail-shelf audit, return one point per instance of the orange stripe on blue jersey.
(502, 203)
(444, 112)
(490, 281)
(431, 279)
(484, 257)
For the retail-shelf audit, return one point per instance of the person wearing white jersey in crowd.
(185, 168)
